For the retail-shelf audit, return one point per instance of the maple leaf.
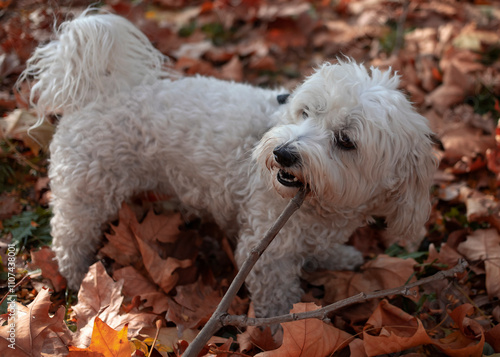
(193, 304)
(121, 245)
(105, 342)
(35, 331)
(161, 228)
(484, 244)
(135, 284)
(309, 337)
(100, 296)
(45, 260)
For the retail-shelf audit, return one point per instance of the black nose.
(285, 156)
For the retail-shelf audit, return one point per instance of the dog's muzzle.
(286, 157)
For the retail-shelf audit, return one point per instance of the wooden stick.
(243, 320)
(215, 322)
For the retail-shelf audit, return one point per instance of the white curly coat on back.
(127, 127)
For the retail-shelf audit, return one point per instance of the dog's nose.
(285, 156)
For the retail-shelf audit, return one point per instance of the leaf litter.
(158, 265)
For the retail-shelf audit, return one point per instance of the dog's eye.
(344, 142)
(305, 115)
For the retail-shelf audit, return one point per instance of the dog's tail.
(91, 58)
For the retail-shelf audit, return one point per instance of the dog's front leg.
(273, 282)
(274, 286)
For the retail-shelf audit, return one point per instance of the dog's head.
(356, 141)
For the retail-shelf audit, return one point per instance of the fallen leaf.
(462, 140)
(36, 331)
(390, 330)
(445, 96)
(45, 259)
(135, 284)
(484, 245)
(19, 125)
(193, 304)
(463, 342)
(161, 228)
(100, 296)
(9, 205)
(105, 341)
(122, 246)
(479, 206)
(162, 271)
(309, 337)
(257, 336)
(381, 273)
(168, 336)
(493, 337)
(446, 255)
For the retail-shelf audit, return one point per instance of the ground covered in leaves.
(160, 275)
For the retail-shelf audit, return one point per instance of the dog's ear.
(410, 200)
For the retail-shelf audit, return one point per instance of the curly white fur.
(346, 132)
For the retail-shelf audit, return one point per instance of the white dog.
(227, 150)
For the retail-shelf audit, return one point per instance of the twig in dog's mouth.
(287, 179)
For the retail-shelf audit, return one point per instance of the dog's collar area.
(287, 179)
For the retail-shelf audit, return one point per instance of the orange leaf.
(310, 337)
(106, 342)
(395, 331)
(462, 343)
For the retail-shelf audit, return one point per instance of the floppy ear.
(410, 200)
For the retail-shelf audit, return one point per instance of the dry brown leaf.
(45, 259)
(135, 284)
(493, 337)
(310, 337)
(390, 330)
(256, 336)
(162, 271)
(35, 331)
(9, 205)
(122, 246)
(395, 331)
(463, 342)
(100, 296)
(193, 304)
(18, 125)
(479, 206)
(383, 272)
(161, 228)
(446, 255)
(484, 244)
(445, 96)
(233, 70)
(462, 140)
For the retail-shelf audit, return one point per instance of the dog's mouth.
(287, 179)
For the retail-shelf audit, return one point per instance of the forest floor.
(448, 55)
